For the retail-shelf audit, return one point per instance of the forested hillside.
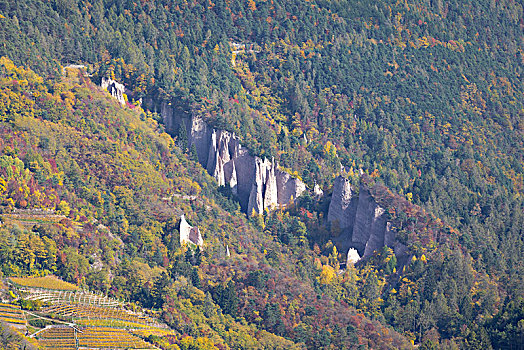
(424, 98)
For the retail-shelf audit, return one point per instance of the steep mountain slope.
(97, 189)
(423, 96)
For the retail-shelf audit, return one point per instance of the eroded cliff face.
(116, 90)
(343, 206)
(258, 183)
(363, 223)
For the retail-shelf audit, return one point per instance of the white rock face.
(353, 256)
(376, 232)
(257, 183)
(116, 90)
(366, 217)
(189, 234)
(245, 167)
(317, 192)
(233, 182)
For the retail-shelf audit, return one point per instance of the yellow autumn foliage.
(327, 275)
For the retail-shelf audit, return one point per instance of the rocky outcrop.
(256, 196)
(189, 234)
(116, 90)
(370, 223)
(352, 257)
(271, 189)
(342, 207)
(200, 137)
(317, 192)
(362, 221)
(288, 187)
(258, 183)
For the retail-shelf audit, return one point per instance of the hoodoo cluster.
(258, 183)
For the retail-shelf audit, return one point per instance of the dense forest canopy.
(425, 97)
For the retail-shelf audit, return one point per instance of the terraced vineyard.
(69, 337)
(108, 322)
(78, 297)
(58, 337)
(12, 314)
(29, 218)
(76, 319)
(103, 337)
(101, 313)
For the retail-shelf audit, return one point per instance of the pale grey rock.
(342, 208)
(256, 195)
(317, 192)
(370, 224)
(224, 142)
(299, 187)
(260, 185)
(288, 187)
(235, 148)
(200, 137)
(189, 234)
(376, 231)
(256, 201)
(232, 179)
(219, 162)
(352, 257)
(218, 172)
(390, 235)
(364, 217)
(257, 182)
(232, 165)
(245, 166)
(116, 90)
(363, 222)
(391, 241)
(213, 153)
(271, 190)
(173, 118)
(184, 229)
